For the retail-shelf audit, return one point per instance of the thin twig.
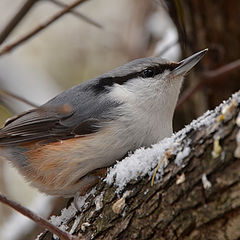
(78, 14)
(41, 221)
(16, 19)
(222, 70)
(156, 169)
(13, 45)
(206, 78)
(21, 99)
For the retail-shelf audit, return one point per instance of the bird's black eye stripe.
(151, 72)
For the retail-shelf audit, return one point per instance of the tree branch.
(14, 96)
(16, 19)
(37, 219)
(78, 14)
(38, 29)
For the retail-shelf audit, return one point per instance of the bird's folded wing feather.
(44, 124)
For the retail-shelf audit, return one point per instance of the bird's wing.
(61, 118)
(44, 125)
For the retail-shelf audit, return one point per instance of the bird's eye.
(148, 73)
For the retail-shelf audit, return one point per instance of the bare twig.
(78, 14)
(16, 19)
(21, 99)
(208, 77)
(41, 221)
(13, 45)
(222, 70)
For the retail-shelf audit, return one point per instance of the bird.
(64, 146)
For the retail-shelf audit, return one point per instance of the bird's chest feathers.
(148, 124)
(152, 126)
(144, 114)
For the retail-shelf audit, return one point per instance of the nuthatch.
(60, 146)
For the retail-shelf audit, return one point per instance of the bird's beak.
(188, 63)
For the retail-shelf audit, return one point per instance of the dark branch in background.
(21, 99)
(37, 219)
(222, 70)
(208, 78)
(16, 19)
(175, 11)
(38, 29)
(77, 14)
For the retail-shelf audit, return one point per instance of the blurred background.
(93, 38)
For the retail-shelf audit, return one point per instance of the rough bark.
(182, 205)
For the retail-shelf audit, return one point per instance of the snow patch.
(75, 225)
(80, 201)
(143, 161)
(66, 214)
(181, 155)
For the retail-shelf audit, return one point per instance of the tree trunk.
(196, 199)
(213, 25)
